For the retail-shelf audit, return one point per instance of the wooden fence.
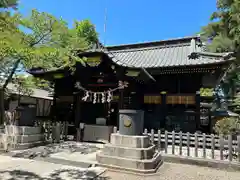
(175, 143)
(197, 145)
(54, 131)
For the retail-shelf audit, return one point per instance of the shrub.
(228, 125)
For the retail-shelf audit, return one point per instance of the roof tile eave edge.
(185, 65)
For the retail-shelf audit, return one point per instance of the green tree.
(223, 35)
(8, 3)
(42, 41)
(86, 30)
(224, 28)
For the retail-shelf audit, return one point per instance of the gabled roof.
(185, 51)
(179, 52)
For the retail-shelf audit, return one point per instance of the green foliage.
(24, 85)
(42, 40)
(207, 92)
(38, 40)
(39, 83)
(224, 30)
(227, 125)
(49, 42)
(8, 3)
(86, 30)
(224, 33)
(235, 105)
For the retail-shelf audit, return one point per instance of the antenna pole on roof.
(105, 25)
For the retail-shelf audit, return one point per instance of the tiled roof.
(169, 53)
(186, 51)
(37, 93)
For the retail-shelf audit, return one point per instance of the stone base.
(130, 153)
(21, 137)
(130, 141)
(132, 165)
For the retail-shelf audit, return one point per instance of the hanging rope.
(102, 96)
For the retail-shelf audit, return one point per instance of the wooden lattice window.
(174, 99)
(152, 99)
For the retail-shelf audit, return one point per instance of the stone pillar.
(130, 149)
(131, 122)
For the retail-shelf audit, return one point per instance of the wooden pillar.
(54, 111)
(121, 99)
(120, 104)
(140, 97)
(197, 112)
(77, 115)
(164, 107)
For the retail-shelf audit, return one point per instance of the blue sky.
(131, 21)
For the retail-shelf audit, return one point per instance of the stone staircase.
(20, 137)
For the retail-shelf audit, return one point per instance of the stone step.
(22, 138)
(22, 146)
(130, 141)
(126, 152)
(22, 130)
(149, 165)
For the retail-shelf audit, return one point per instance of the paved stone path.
(171, 171)
(22, 169)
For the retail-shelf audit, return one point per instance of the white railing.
(197, 145)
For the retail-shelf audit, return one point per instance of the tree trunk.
(2, 90)
(2, 110)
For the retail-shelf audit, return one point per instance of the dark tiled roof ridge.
(155, 42)
(150, 47)
(214, 54)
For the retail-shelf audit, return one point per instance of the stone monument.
(129, 150)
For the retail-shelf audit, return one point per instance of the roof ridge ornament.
(192, 46)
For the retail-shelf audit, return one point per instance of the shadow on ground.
(47, 150)
(55, 175)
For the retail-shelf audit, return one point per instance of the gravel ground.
(171, 171)
(46, 151)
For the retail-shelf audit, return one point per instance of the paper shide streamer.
(100, 97)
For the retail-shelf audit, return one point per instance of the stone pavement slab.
(76, 156)
(172, 171)
(21, 169)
